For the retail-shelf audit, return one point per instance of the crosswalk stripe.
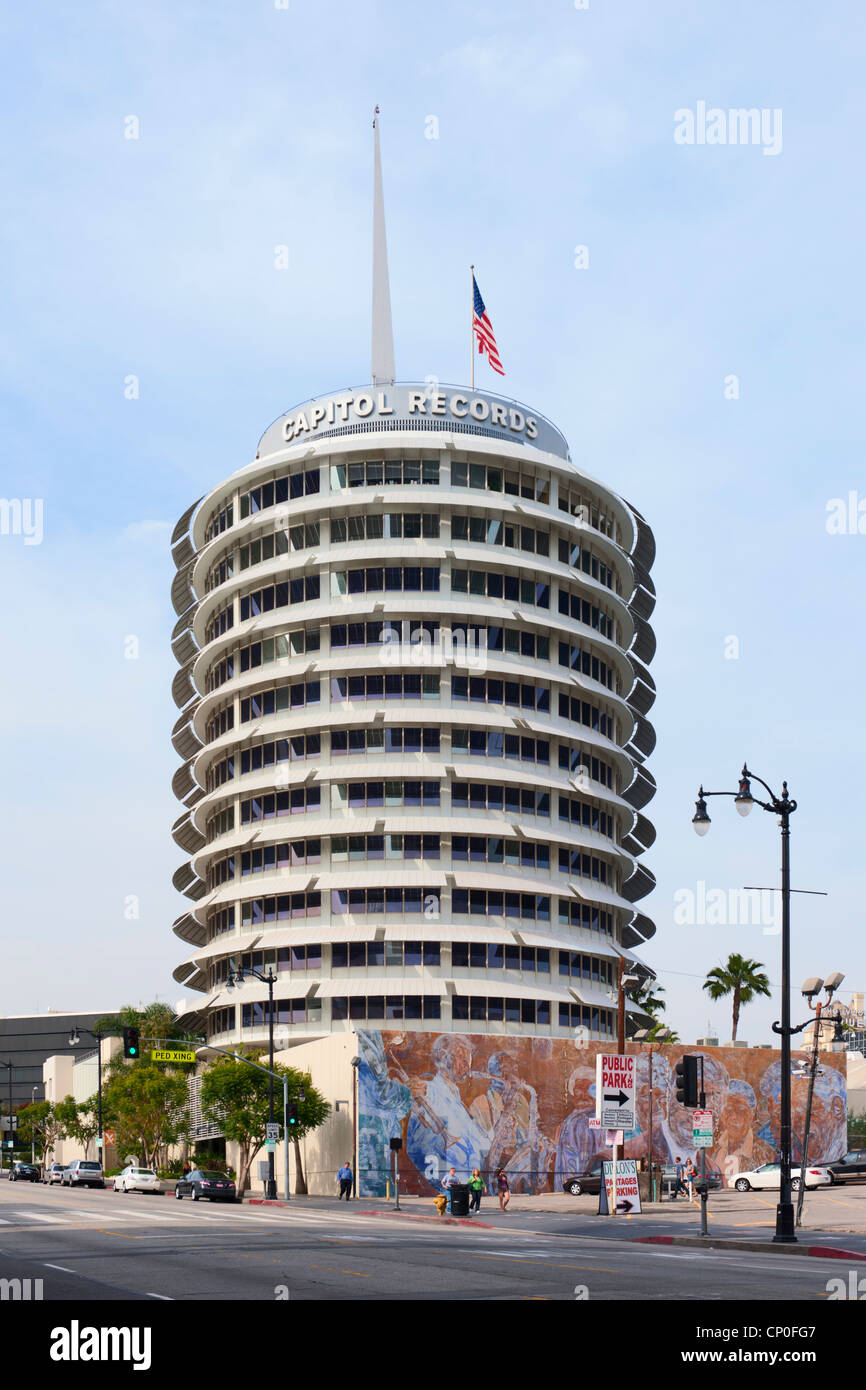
(37, 1216)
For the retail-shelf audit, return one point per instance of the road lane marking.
(164, 1296)
(35, 1216)
(62, 1268)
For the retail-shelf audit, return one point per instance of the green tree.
(742, 978)
(156, 1023)
(146, 1103)
(236, 1097)
(79, 1120)
(647, 996)
(40, 1124)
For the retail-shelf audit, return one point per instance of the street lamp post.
(811, 988)
(33, 1090)
(660, 1036)
(782, 807)
(8, 1066)
(74, 1040)
(237, 977)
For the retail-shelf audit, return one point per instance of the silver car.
(54, 1172)
(83, 1172)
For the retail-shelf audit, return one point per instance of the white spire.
(382, 369)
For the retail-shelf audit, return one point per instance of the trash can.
(460, 1199)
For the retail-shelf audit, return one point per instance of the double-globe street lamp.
(651, 1036)
(782, 807)
(8, 1066)
(74, 1040)
(237, 977)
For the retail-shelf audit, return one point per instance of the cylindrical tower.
(413, 648)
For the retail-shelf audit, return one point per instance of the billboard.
(525, 1104)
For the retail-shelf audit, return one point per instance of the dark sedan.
(216, 1187)
(850, 1168)
(587, 1181)
(25, 1172)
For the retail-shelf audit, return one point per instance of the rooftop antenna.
(382, 357)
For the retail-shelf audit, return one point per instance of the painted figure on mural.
(384, 1106)
(735, 1146)
(716, 1084)
(576, 1143)
(442, 1132)
(827, 1129)
(637, 1145)
(508, 1111)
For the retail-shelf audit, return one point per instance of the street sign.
(613, 1137)
(595, 1124)
(108, 1136)
(702, 1129)
(162, 1055)
(270, 1146)
(627, 1191)
(272, 1132)
(614, 1091)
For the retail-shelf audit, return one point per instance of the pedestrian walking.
(447, 1183)
(345, 1177)
(679, 1185)
(476, 1187)
(691, 1174)
(502, 1189)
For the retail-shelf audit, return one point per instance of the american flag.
(484, 330)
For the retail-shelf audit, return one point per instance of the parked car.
(134, 1179)
(850, 1168)
(24, 1172)
(205, 1183)
(587, 1181)
(83, 1172)
(770, 1175)
(54, 1173)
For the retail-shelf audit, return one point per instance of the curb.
(823, 1252)
(439, 1220)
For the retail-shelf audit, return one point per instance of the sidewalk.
(838, 1210)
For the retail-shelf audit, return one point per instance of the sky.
(703, 354)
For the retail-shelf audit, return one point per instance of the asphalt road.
(98, 1245)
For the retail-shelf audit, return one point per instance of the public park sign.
(614, 1091)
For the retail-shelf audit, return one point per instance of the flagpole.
(472, 330)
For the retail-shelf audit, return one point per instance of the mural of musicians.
(521, 1104)
(508, 1112)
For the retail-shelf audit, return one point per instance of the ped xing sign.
(162, 1055)
(702, 1129)
(614, 1091)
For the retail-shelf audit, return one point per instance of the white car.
(770, 1175)
(137, 1180)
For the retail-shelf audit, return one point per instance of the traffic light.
(130, 1042)
(292, 1115)
(686, 1073)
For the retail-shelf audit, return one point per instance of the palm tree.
(647, 996)
(742, 978)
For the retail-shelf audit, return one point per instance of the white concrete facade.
(413, 696)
